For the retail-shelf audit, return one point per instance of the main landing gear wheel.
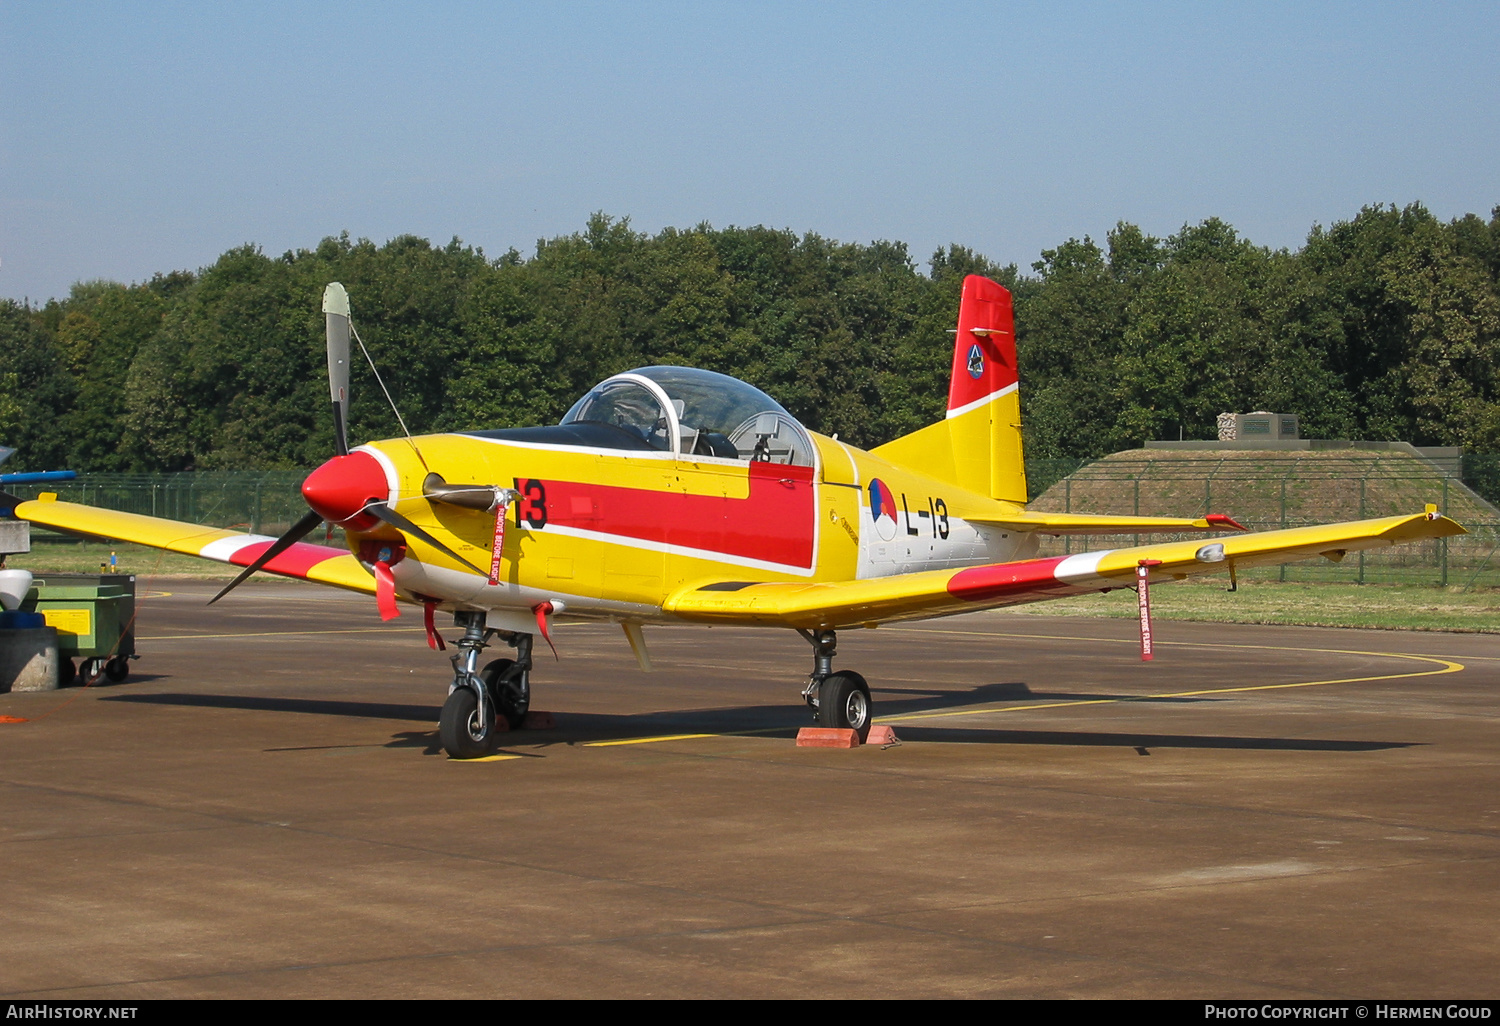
(844, 701)
(465, 734)
(841, 700)
(510, 690)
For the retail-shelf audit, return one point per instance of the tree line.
(1384, 327)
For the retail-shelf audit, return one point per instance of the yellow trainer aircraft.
(673, 495)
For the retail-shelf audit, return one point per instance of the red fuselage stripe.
(774, 523)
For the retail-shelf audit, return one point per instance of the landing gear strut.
(468, 725)
(837, 699)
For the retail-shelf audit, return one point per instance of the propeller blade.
(381, 511)
(294, 534)
(336, 319)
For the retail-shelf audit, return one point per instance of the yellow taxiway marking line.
(487, 758)
(1446, 666)
(1493, 659)
(1175, 644)
(646, 740)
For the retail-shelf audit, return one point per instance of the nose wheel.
(469, 725)
(837, 699)
(466, 730)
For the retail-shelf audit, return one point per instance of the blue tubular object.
(39, 475)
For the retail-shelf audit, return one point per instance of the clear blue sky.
(137, 138)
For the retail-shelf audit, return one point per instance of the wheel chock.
(538, 721)
(827, 737)
(880, 734)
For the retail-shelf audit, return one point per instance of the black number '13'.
(531, 507)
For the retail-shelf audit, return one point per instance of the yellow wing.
(319, 563)
(945, 592)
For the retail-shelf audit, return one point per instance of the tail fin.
(978, 444)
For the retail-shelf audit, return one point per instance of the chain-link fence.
(1263, 491)
(1267, 491)
(262, 502)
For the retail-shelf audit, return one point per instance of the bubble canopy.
(696, 413)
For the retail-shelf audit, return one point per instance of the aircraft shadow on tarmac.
(783, 721)
(729, 719)
(919, 699)
(323, 707)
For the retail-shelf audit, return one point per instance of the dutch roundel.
(882, 509)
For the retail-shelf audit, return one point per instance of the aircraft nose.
(340, 489)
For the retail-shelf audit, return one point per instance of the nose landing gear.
(468, 726)
(837, 699)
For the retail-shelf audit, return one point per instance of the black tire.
(90, 670)
(117, 669)
(67, 672)
(459, 729)
(844, 701)
(511, 700)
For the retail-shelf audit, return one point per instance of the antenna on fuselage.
(399, 419)
(435, 488)
(340, 326)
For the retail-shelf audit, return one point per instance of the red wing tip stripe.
(982, 583)
(296, 561)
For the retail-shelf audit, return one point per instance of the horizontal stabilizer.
(1086, 523)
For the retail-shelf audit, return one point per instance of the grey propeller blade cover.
(336, 323)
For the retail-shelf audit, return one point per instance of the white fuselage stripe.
(853, 466)
(977, 403)
(634, 454)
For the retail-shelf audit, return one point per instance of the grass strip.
(1383, 606)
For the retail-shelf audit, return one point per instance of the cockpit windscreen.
(717, 416)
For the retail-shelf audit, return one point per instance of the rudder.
(977, 446)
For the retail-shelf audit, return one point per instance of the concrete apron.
(28, 659)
